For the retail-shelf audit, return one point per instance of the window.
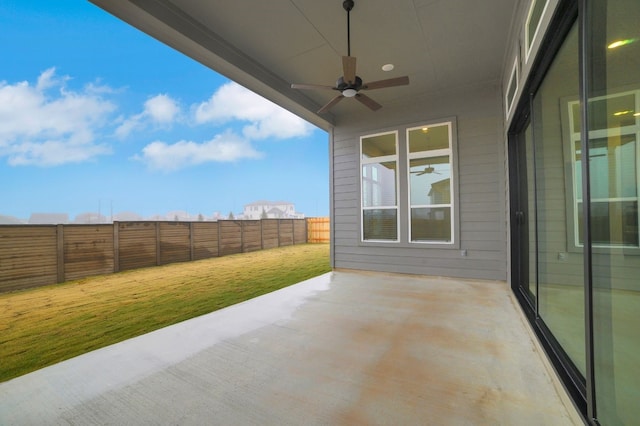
(379, 178)
(613, 161)
(512, 88)
(430, 183)
(532, 25)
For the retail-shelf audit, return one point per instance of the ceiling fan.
(427, 170)
(349, 84)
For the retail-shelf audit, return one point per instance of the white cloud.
(160, 110)
(266, 119)
(42, 128)
(54, 153)
(226, 147)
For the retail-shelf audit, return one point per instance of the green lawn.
(44, 326)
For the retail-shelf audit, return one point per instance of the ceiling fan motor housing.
(343, 85)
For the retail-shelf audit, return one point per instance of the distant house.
(270, 210)
(48, 218)
(440, 192)
(10, 220)
(127, 216)
(90, 217)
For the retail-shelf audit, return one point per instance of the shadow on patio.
(342, 348)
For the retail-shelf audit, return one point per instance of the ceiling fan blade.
(364, 99)
(312, 86)
(331, 103)
(349, 69)
(391, 82)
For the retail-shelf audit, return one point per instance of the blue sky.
(95, 114)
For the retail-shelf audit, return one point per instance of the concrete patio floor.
(342, 348)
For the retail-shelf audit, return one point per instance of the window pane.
(577, 171)
(430, 181)
(379, 146)
(380, 224)
(613, 167)
(431, 224)
(429, 138)
(534, 20)
(615, 272)
(560, 273)
(576, 116)
(610, 112)
(379, 184)
(511, 89)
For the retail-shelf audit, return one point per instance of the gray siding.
(481, 181)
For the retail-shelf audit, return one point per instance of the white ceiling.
(267, 45)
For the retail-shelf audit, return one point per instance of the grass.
(47, 325)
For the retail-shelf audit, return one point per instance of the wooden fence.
(37, 255)
(318, 230)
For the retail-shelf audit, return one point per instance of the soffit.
(441, 45)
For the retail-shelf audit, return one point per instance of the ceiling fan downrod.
(348, 5)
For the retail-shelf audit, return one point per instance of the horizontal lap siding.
(28, 256)
(205, 240)
(481, 185)
(137, 245)
(88, 250)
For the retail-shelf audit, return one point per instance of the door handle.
(520, 217)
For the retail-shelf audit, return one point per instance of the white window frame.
(452, 200)
(528, 44)
(376, 160)
(574, 137)
(514, 78)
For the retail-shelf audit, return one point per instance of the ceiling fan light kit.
(349, 84)
(349, 93)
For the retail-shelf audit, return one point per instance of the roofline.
(163, 21)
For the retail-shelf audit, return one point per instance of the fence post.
(261, 234)
(191, 247)
(60, 252)
(242, 236)
(158, 256)
(218, 222)
(278, 231)
(116, 247)
(306, 230)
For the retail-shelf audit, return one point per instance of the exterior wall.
(482, 229)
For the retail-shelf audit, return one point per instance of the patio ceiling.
(267, 45)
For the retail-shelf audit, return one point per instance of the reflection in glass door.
(613, 123)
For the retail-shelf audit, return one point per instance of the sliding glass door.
(613, 124)
(575, 174)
